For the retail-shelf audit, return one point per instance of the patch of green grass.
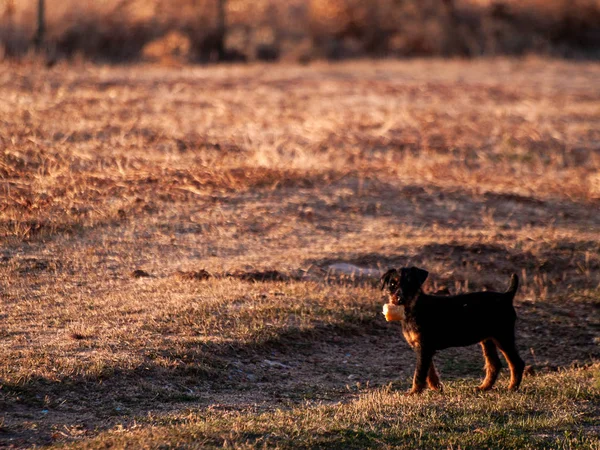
(554, 410)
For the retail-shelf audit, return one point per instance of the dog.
(431, 323)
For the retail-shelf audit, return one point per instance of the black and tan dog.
(432, 323)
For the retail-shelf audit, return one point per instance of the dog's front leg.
(424, 358)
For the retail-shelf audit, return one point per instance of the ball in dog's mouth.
(393, 313)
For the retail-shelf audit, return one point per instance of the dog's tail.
(514, 285)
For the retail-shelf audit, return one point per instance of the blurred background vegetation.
(297, 30)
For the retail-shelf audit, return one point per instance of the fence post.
(41, 26)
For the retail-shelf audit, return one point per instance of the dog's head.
(403, 285)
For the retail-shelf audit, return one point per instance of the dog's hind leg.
(433, 380)
(492, 364)
(424, 361)
(509, 349)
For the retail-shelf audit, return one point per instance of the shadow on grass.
(203, 373)
(562, 266)
(550, 335)
(341, 205)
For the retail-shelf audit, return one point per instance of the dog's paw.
(414, 391)
(439, 388)
(484, 387)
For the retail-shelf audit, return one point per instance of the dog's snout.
(396, 298)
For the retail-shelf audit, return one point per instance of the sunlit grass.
(553, 411)
(115, 180)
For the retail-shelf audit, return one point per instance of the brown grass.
(471, 170)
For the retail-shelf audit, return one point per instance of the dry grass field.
(168, 235)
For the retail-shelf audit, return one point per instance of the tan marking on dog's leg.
(515, 363)
(412, 338)
(492, 364)
(433, 380)
(424, 358)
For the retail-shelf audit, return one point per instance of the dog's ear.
(385, 278)
(419, 274)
